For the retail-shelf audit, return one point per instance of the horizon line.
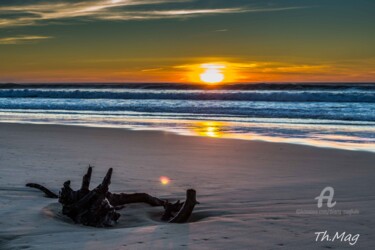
(187, 83)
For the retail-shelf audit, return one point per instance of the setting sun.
(212, 73)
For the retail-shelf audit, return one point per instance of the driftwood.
(187, 208)
(98, 207)
(47, 192)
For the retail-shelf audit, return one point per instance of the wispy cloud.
(154, 69)
(22, 39)
(164, 14)
(41, 12)
(256, 70)
(222, 30)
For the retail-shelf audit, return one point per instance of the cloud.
(165, 14)
(222, 30)
(22, 39)
(42, 12)
(154, 69)
(256, 70)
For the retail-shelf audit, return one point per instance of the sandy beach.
(253, 195)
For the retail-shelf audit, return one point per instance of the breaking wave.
(340, 96)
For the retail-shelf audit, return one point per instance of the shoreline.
(234, 137)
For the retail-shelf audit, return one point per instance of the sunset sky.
(170, 40)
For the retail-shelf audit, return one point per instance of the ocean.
(324, 115)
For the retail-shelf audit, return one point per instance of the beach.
(252, 194)
(192, 125)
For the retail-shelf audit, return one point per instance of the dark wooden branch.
(68, 196)
(170, 209)
(122, 199)
(45, 190)
(86, 180)
(184, 214)
(106, 181)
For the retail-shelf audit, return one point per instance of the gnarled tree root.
(98, 207)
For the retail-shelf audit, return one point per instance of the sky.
(169, 40)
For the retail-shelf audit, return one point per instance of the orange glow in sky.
(186, 41)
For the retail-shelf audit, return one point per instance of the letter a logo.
(328, 197)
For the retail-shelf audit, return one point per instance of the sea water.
(326, 115)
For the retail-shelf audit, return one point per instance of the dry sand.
(249, 191)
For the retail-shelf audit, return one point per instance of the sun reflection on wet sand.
(218, 129)
(208, 129)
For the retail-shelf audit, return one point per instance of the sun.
(212, 74)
